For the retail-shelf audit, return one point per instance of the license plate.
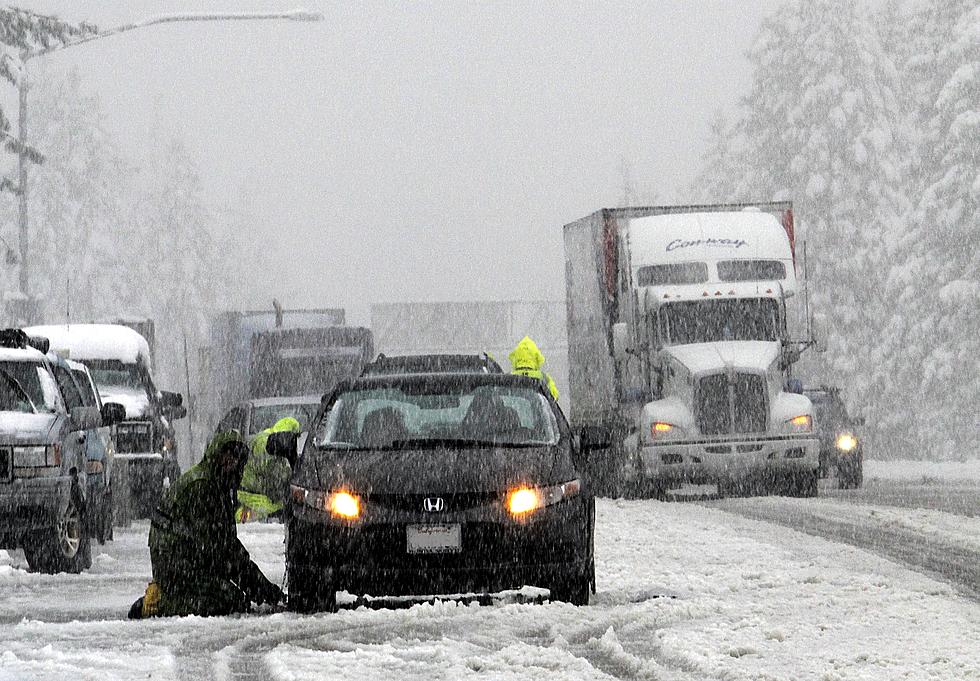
(434, 539)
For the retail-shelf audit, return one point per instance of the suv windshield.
(707, 321)
(26, 387)
(420, 415)
(117, 374)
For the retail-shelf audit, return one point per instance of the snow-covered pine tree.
(20, 31)
(822, 125)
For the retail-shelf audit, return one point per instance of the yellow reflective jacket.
(526, 360)
(263, 485)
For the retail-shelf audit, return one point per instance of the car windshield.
(720, 320)
(828, 410)
(266, 416)
(26, 387)
(420, 415)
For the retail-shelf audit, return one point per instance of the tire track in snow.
(955, 564)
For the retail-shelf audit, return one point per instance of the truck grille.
(134, 437)
(728, 404)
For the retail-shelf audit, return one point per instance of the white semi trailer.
(679, 350)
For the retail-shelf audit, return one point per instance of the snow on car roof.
(95, 341)
(20, 354)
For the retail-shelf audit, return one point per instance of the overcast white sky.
(426, 150)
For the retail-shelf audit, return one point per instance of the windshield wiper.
(432, 443)
(15, 384)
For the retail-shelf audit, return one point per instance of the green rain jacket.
(198, 562)
(527, 360)
(264, 481)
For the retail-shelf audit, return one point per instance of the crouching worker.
(199, 565)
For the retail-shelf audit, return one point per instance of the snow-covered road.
(685, 592)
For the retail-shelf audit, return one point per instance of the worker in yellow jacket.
(526, 360)
(262, 490)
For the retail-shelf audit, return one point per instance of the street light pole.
(22, 87)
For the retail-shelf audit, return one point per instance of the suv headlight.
(799, 424)
(521, 501)
(37, 456)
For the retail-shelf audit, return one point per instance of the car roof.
(431, 363)
(447, 378)
(277, 401)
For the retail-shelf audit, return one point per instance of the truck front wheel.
(66, 547)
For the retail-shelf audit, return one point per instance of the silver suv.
(47, 426)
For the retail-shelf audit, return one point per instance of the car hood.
(442, 470)
(17, 427)
(136, 401)
(706, 358)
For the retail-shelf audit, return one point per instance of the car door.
(99, 450)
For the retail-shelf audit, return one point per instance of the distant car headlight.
(846, 442)
(799, 424)
(338, 503)
(521, 501)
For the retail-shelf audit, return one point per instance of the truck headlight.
(846, 442)
(662, 430)
(523, 500)
(799, 424)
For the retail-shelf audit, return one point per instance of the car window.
(89, 398)
(27, 387)
(380, 418)
(69, 389)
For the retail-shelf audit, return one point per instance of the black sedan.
(432, 484)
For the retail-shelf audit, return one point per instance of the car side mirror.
(113, 413)
(859, 421)
(284, 445)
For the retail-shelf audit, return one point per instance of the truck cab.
(700, 353)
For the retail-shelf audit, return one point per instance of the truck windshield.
(413, 416)
(706, 321)
(116, 374)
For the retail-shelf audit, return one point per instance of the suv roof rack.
(19, 340)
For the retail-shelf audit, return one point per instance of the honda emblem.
(433, 504)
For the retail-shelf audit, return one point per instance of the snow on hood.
(95, 341)
(701, 358)
(136, 401)
(26, 427)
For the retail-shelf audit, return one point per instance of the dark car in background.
(841, 447)
(52, 496)
(253, 416)
(448, 483)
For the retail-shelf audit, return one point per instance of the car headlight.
(37, 456)
(799, 424)
(521, 501)
(662, 430)
(846, 442)
(338, 503)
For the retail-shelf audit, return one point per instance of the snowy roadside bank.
(922, 471)
(685, 592)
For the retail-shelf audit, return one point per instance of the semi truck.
(679, 348)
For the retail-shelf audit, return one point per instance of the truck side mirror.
(818, 332)
(113, 413)
(620, 340)
(283, 445)
(171, 399)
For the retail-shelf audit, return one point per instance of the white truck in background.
(679, 351)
